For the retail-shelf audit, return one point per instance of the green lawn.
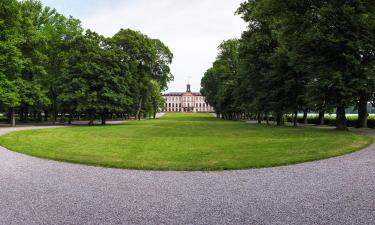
(185, 142)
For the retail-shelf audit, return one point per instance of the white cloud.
(191, 28)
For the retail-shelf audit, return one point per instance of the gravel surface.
(159, 115)
(335, 191)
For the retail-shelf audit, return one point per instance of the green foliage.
(11, 61)
(352, 121)
(219, 82)
(155, 100)
(161, 70)
(49, 64)
(9, 93)
(149, 59)
(94, 81)
(300, 56)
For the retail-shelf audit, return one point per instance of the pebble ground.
(339, 190)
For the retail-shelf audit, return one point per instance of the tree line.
(52, 69)
(296, 56)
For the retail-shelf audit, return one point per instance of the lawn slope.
(184, 142)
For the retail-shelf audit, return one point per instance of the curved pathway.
(335, 191)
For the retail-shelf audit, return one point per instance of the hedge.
(331, 120)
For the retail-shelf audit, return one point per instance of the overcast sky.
(192, 29)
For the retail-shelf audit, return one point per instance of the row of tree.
(50, 67)
(297, 56)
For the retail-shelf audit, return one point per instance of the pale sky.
(192, 29)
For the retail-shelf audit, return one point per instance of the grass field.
(185, 142)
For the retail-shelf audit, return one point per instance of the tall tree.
(331, 38)
(60, 33)
(149, 59)
(155, 100)
(48, 65)
(97, 83)
(163, 59)
(11, 60)
(32, 48)
(140, 54)
(223, 75)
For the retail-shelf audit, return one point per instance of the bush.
(352, 121)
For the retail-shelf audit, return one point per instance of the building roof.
(181, 93)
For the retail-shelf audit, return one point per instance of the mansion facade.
(186, 102)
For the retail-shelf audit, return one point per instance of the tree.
(155, 100)
(140, 54)
(33, 47)
(98, 80)
(9, 97)
(263, 69)
(330, 41)
(60, 33)
(306, 54)
(149, 59)
(223, 76)
(161, 70)
(11, 60)
(48, 65)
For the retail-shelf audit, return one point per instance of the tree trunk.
(341, 118)
(40, 118)
(103, 116)
(45, 115)
(138, 115)
(295, 119)
(12, 114)
(91, 115)
(259, 116)
(279, 119)
(321, 117)
(305, 116)
(54, 112)
(362, 114)
(54, 105)
(21, 114)
(70, 118)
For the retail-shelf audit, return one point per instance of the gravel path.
(159, 115)
(335, 191)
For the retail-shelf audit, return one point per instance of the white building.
(186, 102)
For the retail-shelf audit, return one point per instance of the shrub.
(352, 121)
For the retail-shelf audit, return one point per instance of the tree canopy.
(299, 56)
(51, 68)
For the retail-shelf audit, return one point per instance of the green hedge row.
(331, 120)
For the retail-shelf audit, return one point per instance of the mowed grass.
(185, 142)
